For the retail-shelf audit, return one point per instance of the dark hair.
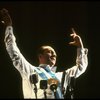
(42, 48)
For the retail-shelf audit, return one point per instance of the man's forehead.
(48, 48)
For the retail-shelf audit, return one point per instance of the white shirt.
(26, 69)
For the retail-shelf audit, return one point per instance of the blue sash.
(43, 75)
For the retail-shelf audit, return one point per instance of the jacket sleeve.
(81, 63)
(19, 62)
(77, 70)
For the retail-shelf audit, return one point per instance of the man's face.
(48, 56)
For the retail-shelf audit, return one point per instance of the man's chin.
(52, 64)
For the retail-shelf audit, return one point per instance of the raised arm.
(81, 60)
(10, 41)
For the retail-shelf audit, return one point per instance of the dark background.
(39, 23)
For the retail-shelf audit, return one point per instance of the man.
(34, 78)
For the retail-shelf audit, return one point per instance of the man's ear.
(40, 56)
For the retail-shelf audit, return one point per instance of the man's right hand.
(6, 19)
(77, 39)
